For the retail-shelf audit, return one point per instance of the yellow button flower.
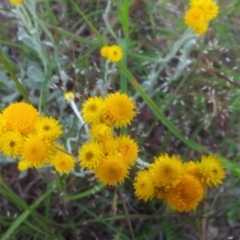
(20, 117)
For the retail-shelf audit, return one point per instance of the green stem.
(158, 113)
(14, 78)
(100, 38)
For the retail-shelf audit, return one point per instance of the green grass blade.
(18, 84)
(86, 193)
(158, 113)
(100, 38)
(18, 202)
(24, 215)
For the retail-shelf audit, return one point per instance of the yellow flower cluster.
(112, 53)
(108, 155)
(199, 15)
(180, 185)
(30, 137)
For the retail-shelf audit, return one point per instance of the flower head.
(3, 127)
(114, 53)
(23, 165)
(90, 154)
(128, 148)
(212, 170)
(109, 145)
(196, 19)
(101, 131)
(210, 9)
(143, 185)
(166, 171)
(111, 170)
(93, 109)
(193, 169)
(201, 28)
(68, 96)
(20, 117)
(15, 2)
(48, 128)
(196, 3)
(160, 192)
(37, 151)
(63, 162)
(11, 143)
(119, 109)
(186, 195)
(104, 51)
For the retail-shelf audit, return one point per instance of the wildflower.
(196, 3)
(48, 128)
(62, 162)
(109, 145)
(37, 151)
(11, 143)
(2, 126)
(20, 117)
(114, 53)
(160, 192)
(193, 169)
(186, 195)
(195, 18)
(212, 170)
(166, 171)
(119, 109)
(68, 96)
(143, 185)
(93, 109)
(15, 2)
(111, 170)
(23, 165)
(90, 155)
(201, 29)
(128, 148)
(210, 9)
(100, 131)
(104, 51)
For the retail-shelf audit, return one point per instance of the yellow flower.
(37, 151)
(166, 171)
(201, 29)
(143, 185)
(15, 2)
(11, 144)
(195, 18)
(48, 128)
(3, 128)
(210, 9)
(20, 117)
(186, 195)
(128, 148)
(111, 170)
(23, 165)
(100, 131)
(69, 96)
(193, 169)
(114, 53)
(63, 162)
(119, 109)
(212, 170)
(104, 51)
(93, 109)
(196, 3)
(109, 145)
(160, 192)
(90, 155)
